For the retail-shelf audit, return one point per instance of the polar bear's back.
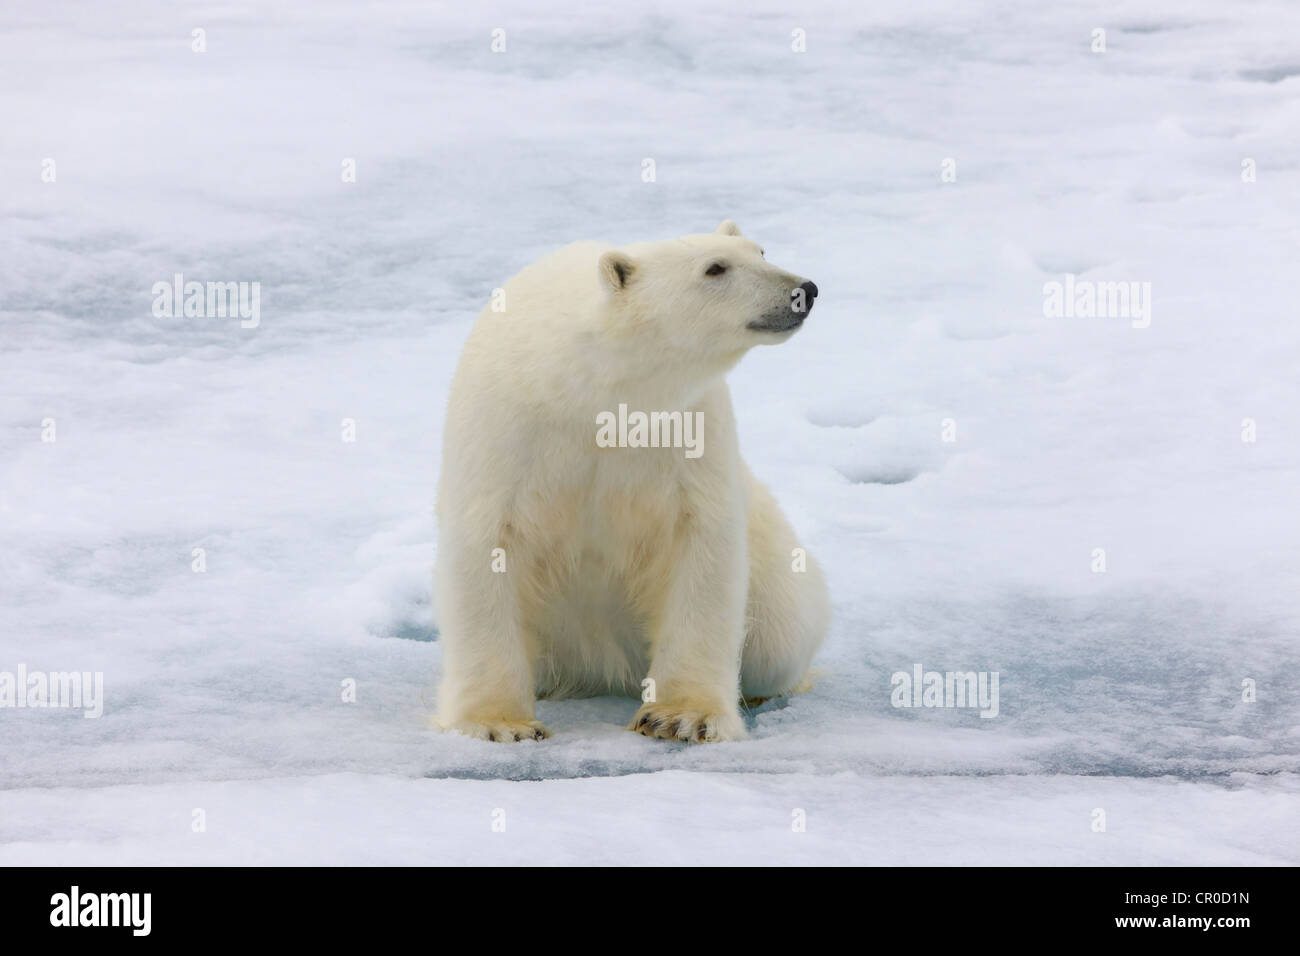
(561, 283)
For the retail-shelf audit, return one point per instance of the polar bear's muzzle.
(789, 317)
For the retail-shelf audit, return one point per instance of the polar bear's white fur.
(569, 568)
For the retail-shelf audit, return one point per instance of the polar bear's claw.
(686, 724)
(507, 731)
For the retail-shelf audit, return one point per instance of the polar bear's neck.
(657, 383)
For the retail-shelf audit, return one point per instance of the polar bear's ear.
(616, 268)
(728, 228)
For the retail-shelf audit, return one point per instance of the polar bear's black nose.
(809, 290)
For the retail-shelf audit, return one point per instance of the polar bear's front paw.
(500, 730)
(688, 723)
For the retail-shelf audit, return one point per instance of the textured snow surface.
(1120, 691)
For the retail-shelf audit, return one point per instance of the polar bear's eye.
(715, 270)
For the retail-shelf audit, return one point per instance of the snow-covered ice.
(1120, 691)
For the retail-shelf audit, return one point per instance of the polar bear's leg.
(487, 675)
(697, 633)
(788, 611)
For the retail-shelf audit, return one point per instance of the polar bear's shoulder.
(576, 262)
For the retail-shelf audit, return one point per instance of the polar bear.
(585, 549)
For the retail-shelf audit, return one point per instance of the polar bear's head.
(711, 295)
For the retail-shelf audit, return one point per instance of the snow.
(1120, 691)
(670, 818)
